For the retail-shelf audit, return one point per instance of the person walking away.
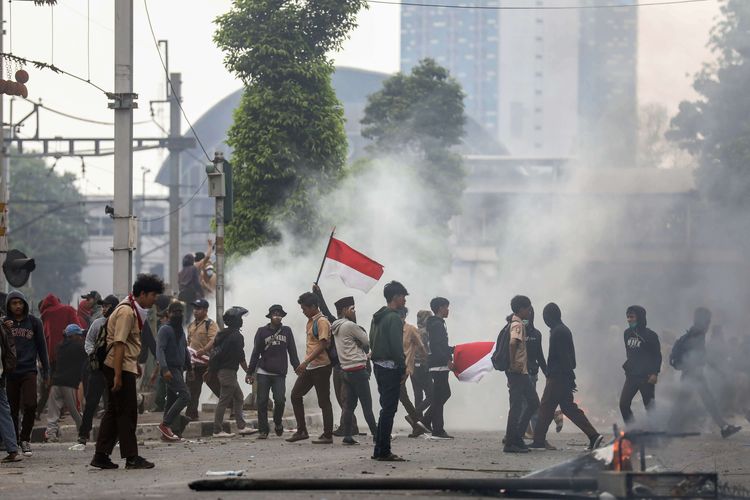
(96, 382)
(558, 391)
(227, 357)
(523, 399)
(387, 344)
(121, 370)
(643, 362)
(413, 348)
(8, 362)
(273, 350)
(689, 356)
(314, 371)
(67, 375)
(440, 361)
(28, 336)
(174, 360)
(421, 382)
(189, 282)
(352, 345)
(536, 362)
(201, 334)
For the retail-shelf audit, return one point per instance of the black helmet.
(233, 316)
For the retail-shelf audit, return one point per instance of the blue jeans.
(389, 388)
(7, 429)
(277, 384)
(178, 395)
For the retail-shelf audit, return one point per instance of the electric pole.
(138, 249)
(175, 132)
(217, 188)
(4, 175)
(123, 103)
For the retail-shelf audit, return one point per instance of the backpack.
(101, 349)
(501, 356)
(333, 355)
(679, 352)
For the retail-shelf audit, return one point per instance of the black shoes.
(102, 461)
(262, 435)
(339, 432)
(595, 442)
(323, 439)
(542, 446)
(515, 448)
(390, 458)
(278, 429)
(729, 429)
(297, 436)
(441, 435)
(138, 462)
(350, 441)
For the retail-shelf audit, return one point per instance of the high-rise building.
(607, 92)
(465, 41)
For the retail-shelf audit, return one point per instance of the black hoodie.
(534, 349)
(641, 347)
(441, 353)
(561, 359)
(28, 335)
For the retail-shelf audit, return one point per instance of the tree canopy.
(288, 140)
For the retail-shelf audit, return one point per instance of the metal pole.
(175, 132)
(138, 249)
(4, 175)
(123, 157)
(219, 162)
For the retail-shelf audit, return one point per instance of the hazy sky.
(671, 48)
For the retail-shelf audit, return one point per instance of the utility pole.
(175, 149)
(4, 175)
(123, 103)
(138, 249)
(217, 189)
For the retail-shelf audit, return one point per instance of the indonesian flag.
(195, 359)
(471, 361)
(355, 269)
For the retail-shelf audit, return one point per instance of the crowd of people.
(71, 359)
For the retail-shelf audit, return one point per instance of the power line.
(80, 118)
(182, 205)
(51, 67)
(537, 7)
(169, 81)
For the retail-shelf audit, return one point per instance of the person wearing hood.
(273, 350)
(352, 345)
(691, 360)
(121, 371)
(536, 361)
(558, 391)
(56, 316)
(66, 377)
(440, 361)
(643, 362)
(28, 334)
(174, 359)
(421, 382)
(387, 344)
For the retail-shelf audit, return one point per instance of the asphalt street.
(57, 472)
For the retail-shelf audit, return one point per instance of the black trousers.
(356, 387)
(389, 388)
(559, 392)
(523, 404)
(441, 393)
(277, 385)
(694, 381)
(94, 392)
(340, 392)
(421, 384)
(633, 385)
(120, 419)
(195, 385)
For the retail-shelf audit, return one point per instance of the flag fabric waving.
(473, 360)
(356, 270)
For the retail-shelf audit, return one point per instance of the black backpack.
(679, 352)
(101, 349)
(501, 356)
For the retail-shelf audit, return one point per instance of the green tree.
(288, 140)
(47, 222)
(716, 127)
(421, 115)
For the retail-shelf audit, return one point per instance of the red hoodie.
(55, 317)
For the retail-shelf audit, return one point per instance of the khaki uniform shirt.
(324, 333)
(122, 326)
(199, 335)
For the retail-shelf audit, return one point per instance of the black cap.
(201, 304)
(110, 300)
(275, 308)
(343, 303)
(93, 294)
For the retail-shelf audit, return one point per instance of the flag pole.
(328, 247)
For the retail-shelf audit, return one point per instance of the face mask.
(632, 324)
(210, 273)
(525, 322)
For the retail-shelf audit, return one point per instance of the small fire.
(621, 454)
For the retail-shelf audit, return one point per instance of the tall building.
(465, 41)
(607, 95)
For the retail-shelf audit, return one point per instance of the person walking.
(201, 334)
(440, 361)
(66, 377)
(413, 348)
(8, 362)
(558, 391)
(387, 344)
(227, 357)
(273, 350)
(352, 345)
(121, 369)
(174, 359)
(28, 336)
(643, 362)
(421, 382)
(536, 363)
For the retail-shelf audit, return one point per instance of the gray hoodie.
(28, 334)
(351, 343)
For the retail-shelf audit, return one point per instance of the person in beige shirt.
(201, 334)
(524, 401)
(414, 349)
(121, 370)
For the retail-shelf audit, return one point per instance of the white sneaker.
(247, 431)
(26, 448)
(223, 434)
(78, 447)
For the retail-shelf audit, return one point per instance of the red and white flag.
(356, 270)
(471, 361)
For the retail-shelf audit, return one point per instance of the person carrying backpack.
(689, 356)
(561, 383)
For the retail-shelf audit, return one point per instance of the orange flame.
(621, 454)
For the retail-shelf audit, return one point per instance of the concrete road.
(57, 472)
